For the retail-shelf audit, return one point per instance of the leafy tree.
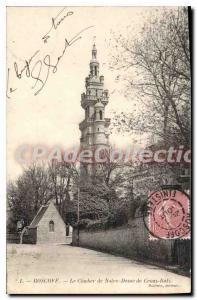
(27, 194)
(92, 198)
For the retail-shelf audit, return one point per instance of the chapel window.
(51, 226)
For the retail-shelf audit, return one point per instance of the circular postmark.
(167, 215)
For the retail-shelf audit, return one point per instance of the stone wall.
(29, 236)
(13, 238)
(130, 241)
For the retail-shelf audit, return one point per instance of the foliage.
(25, 196)
(96, 199)
(35, 187)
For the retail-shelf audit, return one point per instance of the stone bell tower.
(94, 127)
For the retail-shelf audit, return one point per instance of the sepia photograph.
(98, 150)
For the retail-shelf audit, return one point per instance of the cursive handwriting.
(8, 88)
(47, 61)
(39, 70)
(56, 22)
(26, 67)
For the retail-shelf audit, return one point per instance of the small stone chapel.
(47, 227)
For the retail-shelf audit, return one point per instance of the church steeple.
(94, 127)
(94, 64)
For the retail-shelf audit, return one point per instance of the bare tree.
(156, 70)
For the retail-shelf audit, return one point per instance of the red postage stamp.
(168, 214)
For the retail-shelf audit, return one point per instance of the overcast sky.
(51, 118)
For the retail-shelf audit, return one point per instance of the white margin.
(3, 5)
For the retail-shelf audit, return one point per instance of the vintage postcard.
(98, 150)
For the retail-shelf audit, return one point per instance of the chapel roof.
(38, 216)
(34, 223)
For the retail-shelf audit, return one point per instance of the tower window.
(95, 71)
(101, 114)
(87, 112)
(51, 226)
(98, 129)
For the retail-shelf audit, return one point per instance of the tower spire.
(94, 64)
(94, 51)
(94, 127)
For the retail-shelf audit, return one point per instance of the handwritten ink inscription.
(38, 68)
(56, 21)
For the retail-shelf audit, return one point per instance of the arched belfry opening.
(87, 112)
(101, 115)
(95, 70)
